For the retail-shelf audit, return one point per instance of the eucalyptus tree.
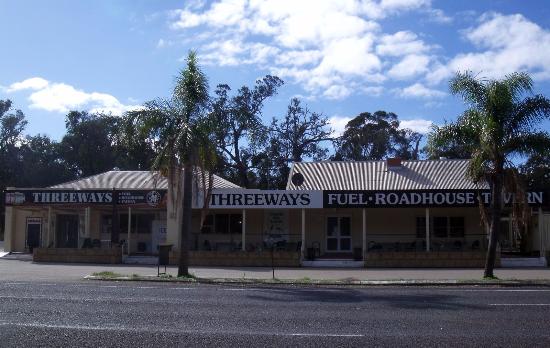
(240, 132)
(180, 129)
(89, 145)
(499, 124)
(301, 134)
(375, 136)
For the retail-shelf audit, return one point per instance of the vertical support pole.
(129, 229)
(243, 241)
(303, 246)
(541, 232)
(427, 229)
(87, 213)
(53, 225)
(364, 234)
(49, 231)
(9, 229)
(115, 228)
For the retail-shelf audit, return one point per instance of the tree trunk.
(495, 209)
(186, 222)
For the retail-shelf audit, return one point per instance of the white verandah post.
(364, 234)
(427, 229)
(243, 241)
(303, 246)
(129, 229)
(541, 233)
(49, 238)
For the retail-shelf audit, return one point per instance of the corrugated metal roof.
(375, 175)
(130, 180)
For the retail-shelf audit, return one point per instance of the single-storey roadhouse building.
(390, 213)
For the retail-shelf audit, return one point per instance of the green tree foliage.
(12, 125)
(42, 163)
(376, 136)
(500, 123)
(300, 135)
(240, 133)
(89, 146)
(536, 170)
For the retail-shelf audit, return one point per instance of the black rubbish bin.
(164, 256)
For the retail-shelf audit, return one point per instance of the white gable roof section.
(376, 176)
(129, 180)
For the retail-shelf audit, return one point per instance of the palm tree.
(181, 130)
(497, 127)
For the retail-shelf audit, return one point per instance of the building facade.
(375, 214)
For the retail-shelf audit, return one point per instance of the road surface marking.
(135, 329)
(519, 304)
(502, 290)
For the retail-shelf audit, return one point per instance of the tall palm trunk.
(183, 266)
(495, 209)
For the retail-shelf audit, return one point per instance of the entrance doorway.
(338, 234)
(34, 230)
(67, 231)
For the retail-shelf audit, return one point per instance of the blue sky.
(341, 57)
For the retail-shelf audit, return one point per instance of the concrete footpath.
(19, 270)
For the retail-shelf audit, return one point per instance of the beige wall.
(383, 225)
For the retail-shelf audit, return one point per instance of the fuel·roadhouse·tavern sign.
(402, 199)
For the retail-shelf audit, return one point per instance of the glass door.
(338, 233)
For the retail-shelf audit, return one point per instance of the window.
(440, 226)
(420, 227)
(141, 223)
(456, 226)
(223, 224)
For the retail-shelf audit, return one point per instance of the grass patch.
(491, 278)
(107, 274)
(187, 276)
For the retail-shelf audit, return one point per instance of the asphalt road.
(120, 314)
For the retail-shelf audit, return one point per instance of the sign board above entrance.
(151, 198)
(265, 199)
(407, 199)
(271, 199)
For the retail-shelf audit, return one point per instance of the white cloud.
(418, 90)
(418, 125)
(161, 43)
(506, 43)
(337, 92)
(438, 16)
(401, 43)
(61, 97)
(338, 124)
(331, 48)
(33, 83)
(410, 66)
(373, 91)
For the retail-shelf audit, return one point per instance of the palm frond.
(527, 144)
(528, 113)
(518, 83)
(472, 90)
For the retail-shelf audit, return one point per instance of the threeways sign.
(272, 199)
(150, 198)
